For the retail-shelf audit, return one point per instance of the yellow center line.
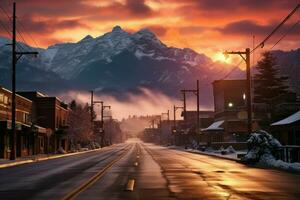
(74, 193)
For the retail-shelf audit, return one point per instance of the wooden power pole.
(248, 92)
(16, 55)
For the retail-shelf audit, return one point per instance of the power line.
(19, 33)
(286, 33)
(5, 28)
(261, 44)
(28, 34)
(232, 70)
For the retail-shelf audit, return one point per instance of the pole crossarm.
(240, 53)
(94, 102)
(20, 54)
(27, 52)
(188, 90)
(178, 107)
(109, 107)
(195, 92)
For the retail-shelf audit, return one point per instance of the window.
(1, 97)
(5, 99)
(25, 118)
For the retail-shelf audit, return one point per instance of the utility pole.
(174, 110)
(174, 117)
(184, 105)
(198, 108)
(197, 93)
(102, 120)
(92, 107)
(15, 57)
(168, 115)
(248, 92)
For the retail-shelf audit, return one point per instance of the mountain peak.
(88, 37)
(117, 29)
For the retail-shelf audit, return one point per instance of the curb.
(46, 158)
(212, 155)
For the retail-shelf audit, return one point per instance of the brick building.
(23, 124)
(51, 113)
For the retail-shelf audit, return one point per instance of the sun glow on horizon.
(220, 57)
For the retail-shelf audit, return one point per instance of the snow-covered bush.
(230, 149)
(60, 150)
(261, 144)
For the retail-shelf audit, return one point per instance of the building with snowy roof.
(287, 130)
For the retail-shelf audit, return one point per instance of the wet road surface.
(135, 170)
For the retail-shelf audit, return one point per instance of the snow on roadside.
(262, 148)
(268, 160)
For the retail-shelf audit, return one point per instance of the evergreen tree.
(269, 85)
(73, 105)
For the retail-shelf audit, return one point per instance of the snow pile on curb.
(262, 147)
(270, 161)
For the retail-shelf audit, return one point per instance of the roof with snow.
(289, 120)
(216, 126)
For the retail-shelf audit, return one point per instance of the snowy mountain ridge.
(69, 59)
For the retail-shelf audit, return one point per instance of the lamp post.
(248, 92)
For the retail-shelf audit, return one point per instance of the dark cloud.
(231, 5)
(247, 27)
(46, 26)
(138, 7)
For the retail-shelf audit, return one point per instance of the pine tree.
(269, 85)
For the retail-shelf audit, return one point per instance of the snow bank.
(262, 147)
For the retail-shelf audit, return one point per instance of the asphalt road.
(135, 170)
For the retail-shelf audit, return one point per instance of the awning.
(39, 129)
(216, 126)
(289, 120)
(6, 124)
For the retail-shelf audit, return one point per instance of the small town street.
(137, 170)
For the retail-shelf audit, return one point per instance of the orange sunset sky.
(207, 26)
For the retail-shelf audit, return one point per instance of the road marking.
(130, 185)
(74, 193)
(32, 160)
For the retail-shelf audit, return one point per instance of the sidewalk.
(231, 156)
(4, 163)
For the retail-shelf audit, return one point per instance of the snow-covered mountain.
(116, 63)
(70, 59)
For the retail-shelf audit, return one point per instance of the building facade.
(230, 117)
(52, 114)
(23, 125)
